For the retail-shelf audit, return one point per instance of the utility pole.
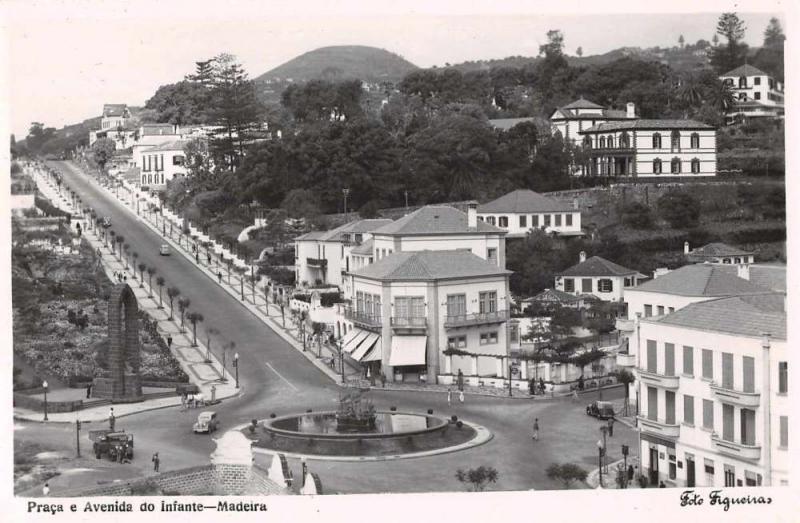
(78, 436)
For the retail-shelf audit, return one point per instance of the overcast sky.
(67, 58)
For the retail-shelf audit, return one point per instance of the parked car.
(164, 250)
(601, 409)
(206, 422)
(111, 444)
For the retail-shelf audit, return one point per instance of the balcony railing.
(737, 450)
(362, 318)
(658, 380)
(409, 322)
(659, 428)
(626, 360)
(736, 397)
(320, 263)
(611, 150)
(477, 318)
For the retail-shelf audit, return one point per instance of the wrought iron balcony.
(658, 380)
(362, 318)
(659, 428)
(319, 263)
(410, 322)
(737, 450)
(736, 397)
(477, 318)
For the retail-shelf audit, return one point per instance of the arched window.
(742, 82)
(610, 142)
(676, 140)
(695, 141)
(675, 166)
(602, 144)
(657, 141)
(695, 165)
(587, 142)
(657, 166)
(624, 141)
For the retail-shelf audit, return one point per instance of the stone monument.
(120, 381)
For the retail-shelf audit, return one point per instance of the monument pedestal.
(127, 390)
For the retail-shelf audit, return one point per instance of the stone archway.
(120, 381)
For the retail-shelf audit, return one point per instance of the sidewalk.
(610, 475)
(192, 359)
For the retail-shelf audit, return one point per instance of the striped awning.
(365, 347)
(374, 354)
(408, 350)
(355, 341)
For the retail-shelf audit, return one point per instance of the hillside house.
(523, 210)
(599, 277)
(757, 94)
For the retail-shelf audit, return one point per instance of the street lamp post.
(600, 452)
(509, 379)
(604, 432)
(341, 358)
(303, 326)
(236, 366)
(44, 384)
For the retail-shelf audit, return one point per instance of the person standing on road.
(46, 490)
(111, 419)
(219, 276)
(536, 429)
(89, 390)
(610, 427)
(156, 462)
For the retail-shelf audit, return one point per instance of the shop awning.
(365, 347)
(349, 337)
(408, 350)
(375, 354)
(350, 346)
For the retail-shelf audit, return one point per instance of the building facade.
(160, 164)
(582, 114)
(712, 390)
(757, 94)
(718, 253)
(651, 148)
(521, 211)
(598, 277)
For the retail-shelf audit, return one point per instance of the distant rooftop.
(353, 227)
(597, 266)
(176, 145)
(646, 124)
(524, 201)
(114, 109)
(702, 279)
(739, 315)
(745, 70)
(717, 249)
(157, 129)
(430, 265)
(435, 219)
(582, 103)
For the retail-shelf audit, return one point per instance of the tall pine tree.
(733, 53)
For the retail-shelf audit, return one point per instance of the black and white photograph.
(271, 254)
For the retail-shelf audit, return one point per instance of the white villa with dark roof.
(409, 307)
(758, 95)
(599, 277)
(115, 125)
(582, 114)
(523, 210)
(651, 148)
(712, 390)
(161, 163)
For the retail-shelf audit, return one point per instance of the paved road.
(291, 384)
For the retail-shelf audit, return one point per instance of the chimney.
(472, 215)
(582, 256)
(685, 247)
(631, 110)
(743, 271)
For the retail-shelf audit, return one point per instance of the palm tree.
(150, 272)
(194, 319)
(172, 293)
(210, 331)
(160, 282)
(183, 305)
(722, 97)
(626, 377)
(142, 267)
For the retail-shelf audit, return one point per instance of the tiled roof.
(772, 277)
(356, 226)
(365, 249)
(524, 201)
(429, 265)
(718, 249)
(435, 219)
(745, 70)
(504, 124)
(311, 235)
(742, 315)
(702, 279)
(176, 145)
(646, 124)
(114, 109)
(609, 114)
(597, 266)
(582, 103)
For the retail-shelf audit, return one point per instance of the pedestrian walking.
(460, 380)
(611, 427)
(88, 391)
(383, 380)
(208, 258)
(111, 419)
(536, 429)
(532, 387)
(156, 462)
(541, 385)
(46, 490)
(219, 276)
(169, 341)
(449, 395)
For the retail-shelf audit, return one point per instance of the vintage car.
(112, 444)
(206, 422)
(601, 409)
(164, 250)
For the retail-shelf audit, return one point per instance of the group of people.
(533, 386)
(121, 277)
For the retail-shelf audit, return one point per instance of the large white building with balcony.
(712, 390)
(757, 94)
(651, 148)
(409, 307)
(523, 210)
